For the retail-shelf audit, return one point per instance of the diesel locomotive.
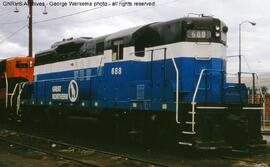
(163, 81)
(13, 71)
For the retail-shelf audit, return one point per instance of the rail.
(32, 142)
(176, 93)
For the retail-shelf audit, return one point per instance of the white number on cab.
(117, 71)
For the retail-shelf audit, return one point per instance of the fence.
(267, 105)
(267, 108)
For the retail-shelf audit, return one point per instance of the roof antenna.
(196, 14)
(45, 10)
(200, 15)
(209, 15)
(16, 9)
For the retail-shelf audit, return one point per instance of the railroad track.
(84, 156)
(241, 155)
(96, 157)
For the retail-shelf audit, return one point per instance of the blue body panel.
(134, 85)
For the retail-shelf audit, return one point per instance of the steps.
(188, 122)
(187, 129)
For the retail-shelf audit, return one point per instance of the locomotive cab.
(13, 72)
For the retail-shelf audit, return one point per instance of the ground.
(10, 156)
(11, 159)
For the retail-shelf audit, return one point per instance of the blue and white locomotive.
(163, 81)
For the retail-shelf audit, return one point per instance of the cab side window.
(21, 65)
(118, 50)
(100, 48)
(3, 66)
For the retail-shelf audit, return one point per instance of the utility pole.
(30, 26)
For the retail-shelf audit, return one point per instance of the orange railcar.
(12, 71)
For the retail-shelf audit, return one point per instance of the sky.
(108, 19)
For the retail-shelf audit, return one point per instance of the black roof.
(156, 33)
(70, 41)
(127, 33)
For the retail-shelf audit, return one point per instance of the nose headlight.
(30, 64)
(217, 27)
(217, 34)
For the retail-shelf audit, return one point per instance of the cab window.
(21, 65)
(118, 50)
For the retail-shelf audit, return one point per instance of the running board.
(252, 108)
(190, 123)
(184, 143)
(211, 108)
(192, 112)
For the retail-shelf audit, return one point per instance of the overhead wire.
(56, 18)
(47, 20)
(130, 12)
(12, 34)
(126, 13)
(15, 21)
(88, 10)
(76, 13)
(4, 11)
(10, 12)
(69, 15)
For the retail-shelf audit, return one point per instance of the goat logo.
(73, 91)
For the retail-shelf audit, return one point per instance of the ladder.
(188, 133)
(192, 122)
(193, 103)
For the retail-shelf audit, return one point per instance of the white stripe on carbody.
(199, 50)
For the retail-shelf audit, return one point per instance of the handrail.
(59, 79)
(197, 86)
(260, 89)
(264, 115)
(150, 50)
(6, 90)
(99, 67)
(13, 93)
(176, 93)
(193, 103)
(261, 94)
(21, 85)
(264, 101)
